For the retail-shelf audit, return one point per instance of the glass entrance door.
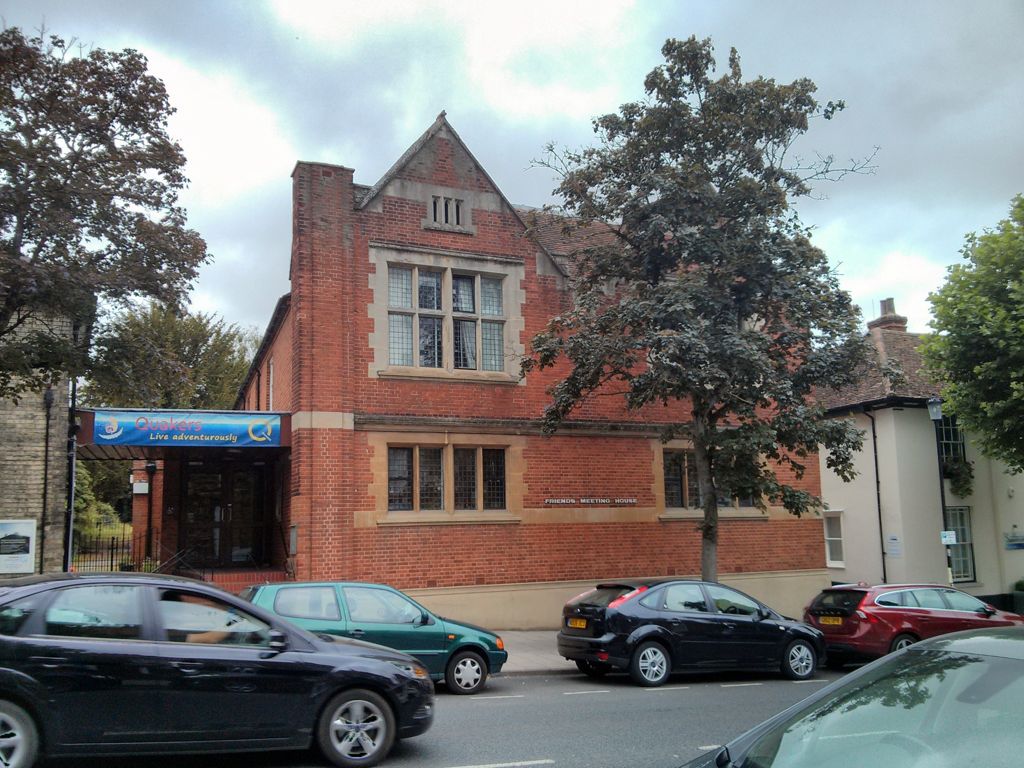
(223, 524)
(246, 516)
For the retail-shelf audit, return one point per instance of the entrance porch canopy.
(131, 433)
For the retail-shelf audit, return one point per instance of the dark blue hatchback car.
(654, 628)
(137, 664)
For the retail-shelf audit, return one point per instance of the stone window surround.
(678, 513)
(379, 442)
(458, 213)
(511, 273)
(465, 199)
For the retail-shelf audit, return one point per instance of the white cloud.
(527, 62)
(233, 140)
(901, 272)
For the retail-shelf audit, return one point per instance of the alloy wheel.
(358, 730)
(18, 737)
(653, 664)
(801, 660)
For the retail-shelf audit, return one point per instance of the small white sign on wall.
(17, 546)
(948, 537)
(893, 545)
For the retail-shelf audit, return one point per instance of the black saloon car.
(654, 628)
(954, 700)
(138, 664)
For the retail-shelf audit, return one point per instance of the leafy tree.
(92, 516)
(161, 358)
(89, 214)
(712, 295)
(978, 348)
(111, 484)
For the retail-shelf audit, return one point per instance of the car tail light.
(628, 596)
(870, 618)
(602, 655)
(500, 643)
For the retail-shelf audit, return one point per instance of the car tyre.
(799, 660)
(466, 673)
(593, 668)
(901, 641)
(19, 737)
(356, 728)
(650, 665)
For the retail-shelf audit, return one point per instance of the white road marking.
(710, 746)
(820, 682)
(740, 685)
(581, 693)
(510, 696)
(670, 688)
(509, 765)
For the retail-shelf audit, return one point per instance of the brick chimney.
(889, 320)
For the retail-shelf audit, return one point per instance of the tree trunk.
(709, 495)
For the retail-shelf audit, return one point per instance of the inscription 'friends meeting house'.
(573, 501)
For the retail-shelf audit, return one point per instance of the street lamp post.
(935, 414)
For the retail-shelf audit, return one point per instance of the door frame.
(227, 471)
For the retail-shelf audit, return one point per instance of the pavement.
(534, 652)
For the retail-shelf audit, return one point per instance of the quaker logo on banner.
(187, 428)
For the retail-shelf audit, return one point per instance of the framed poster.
(17, 546)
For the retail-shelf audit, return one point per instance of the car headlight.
(416, 670)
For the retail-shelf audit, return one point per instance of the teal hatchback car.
(461, 655)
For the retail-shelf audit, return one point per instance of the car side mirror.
(763, 613)
(987, 610)
(424, 619)
(278, 641)
(723, 759)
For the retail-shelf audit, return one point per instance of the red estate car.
(861, 621)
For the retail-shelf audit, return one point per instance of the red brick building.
(416, 456)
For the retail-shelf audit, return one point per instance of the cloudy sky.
(261, 84)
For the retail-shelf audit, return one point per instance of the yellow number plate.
(578, 623)
(832, 621)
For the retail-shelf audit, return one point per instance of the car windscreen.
(602, 595)
(838, 599)
(919, 708)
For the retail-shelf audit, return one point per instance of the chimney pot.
(889, 320)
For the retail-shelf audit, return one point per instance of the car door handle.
(188, 667)
(356, 632)
(48, 662)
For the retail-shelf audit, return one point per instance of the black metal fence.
(117, 550)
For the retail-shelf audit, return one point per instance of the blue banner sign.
(187, 428)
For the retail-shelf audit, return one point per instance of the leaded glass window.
(400, 339)
(399, 478)
(494, 478)
(465, 478)
(431, 478)
(420, 319)
(431, 353)
(464, 344)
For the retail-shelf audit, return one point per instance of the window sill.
(497, 517)
(453, 228)
(440, 374)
